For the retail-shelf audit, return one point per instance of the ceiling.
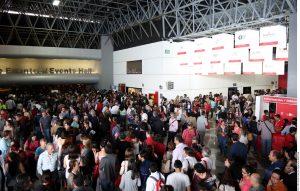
(80, 23)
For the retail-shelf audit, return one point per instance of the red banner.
(281, 100)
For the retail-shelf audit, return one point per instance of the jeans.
(222, 144)
(201, 135)
(47, 135)
(266, 146)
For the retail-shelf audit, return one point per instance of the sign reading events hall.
(28, 66)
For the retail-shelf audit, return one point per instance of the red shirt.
(149, 141)
(207, 107)
(278, 126)
(159, 148)
(289, 140)
(188, 135)
(198, 156)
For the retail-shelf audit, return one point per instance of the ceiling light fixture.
(56, 2)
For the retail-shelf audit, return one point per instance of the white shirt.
(177, 153)
(173, 125)
(188, 162)
(179, 181)
(207, 163)
(201, 123)
(47, 162)
(114, 110)
(144, 117)
(151, 183)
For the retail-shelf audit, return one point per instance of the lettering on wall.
(46, 71)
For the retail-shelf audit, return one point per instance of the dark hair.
(235, 137)
(108, 149)
(248, 169)
(266, 111)
(46, 177)
(143, 153)
(199, 168)
(253, 118)
(290, 152)
(178, 137)
(293, 129)
(132, 166)
(276, 153)
(72, 164)
(178, 164)
(23, 182)
(279, 172)
(153, 167)
(189, 151)
(78, 180)
(238, 123)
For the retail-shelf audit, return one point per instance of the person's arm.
(39, 165)
(122, 169)
(122, 183)
(205, 121)
(21, 168)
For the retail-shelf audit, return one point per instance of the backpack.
(160, 184)
(190, 171)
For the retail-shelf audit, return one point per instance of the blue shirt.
(39, 151)
(47, 162)
(144, 171)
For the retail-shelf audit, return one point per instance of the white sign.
(282, 54)
(238, 55)
(273, 36)
(252, 67)
(273, 67)
(214, 69)
(184, 52)
(222, 41)
(246, 39)
(218, 56)
(232, 67)
(261, 54)
(202, 45)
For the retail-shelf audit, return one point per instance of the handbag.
(166, 167)
(118, 181)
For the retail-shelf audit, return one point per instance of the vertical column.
(292, 65)
(106, 68)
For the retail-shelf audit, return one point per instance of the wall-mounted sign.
(232, 67)
(273, 67)
(48, 66)
(261, 54)
(282, 54)
(202, 45)
(238, 55)
(246, 39)
(222, 41)
(273, 36)
(252, 67)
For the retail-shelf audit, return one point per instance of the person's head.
(235, 137)
(143, 154)
(172, 115)
(246, 171)
(237, 124)
(50, 148)
(108, 149)
(200, 170)
(206, 152)
(44, 114)
(23, 182)
(276, 176)
(266, 112)
(171, 146)
(190, 125)
(253, 118)
(188, 151)
(291, 166)
(77, 181)
(86, 124)
(255, 179)
(276, 116)
(46, 177)
(293, 130)
(86, 142)
(33, 137)
(274, 156)
(153, 167)
(129, 154)
(289, 153)
(43, 142)
(178, 165)
(178, 139)
(67, 124)
(73, 166)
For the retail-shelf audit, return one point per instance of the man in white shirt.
(154, 177)
(144, 116)
(173, 127)
(189, 160)
(178, 151)
(115, 110)
(201, 123)
(48, 160)
(178, 180)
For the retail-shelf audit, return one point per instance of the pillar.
(106, 67)
(292, 65)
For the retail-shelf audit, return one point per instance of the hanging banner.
(252, 67)
(261, 54)
(232, 68)
(218, 56)
(273, 67)
(238, 55)
(281, 100)
(246, 39)
(282, 54)
(273, 36)
(202, 45)
(222, 41)
(215, 69)
(184, 52)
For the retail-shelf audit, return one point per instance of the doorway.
(231, 91)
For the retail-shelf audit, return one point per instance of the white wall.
(159, 68)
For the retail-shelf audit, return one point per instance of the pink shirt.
(247, 184)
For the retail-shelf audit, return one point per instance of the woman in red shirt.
(188, 134)
(278, 126)
(290, 139)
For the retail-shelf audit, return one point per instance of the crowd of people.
(86, 139)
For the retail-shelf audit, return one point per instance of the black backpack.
(190, 171)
